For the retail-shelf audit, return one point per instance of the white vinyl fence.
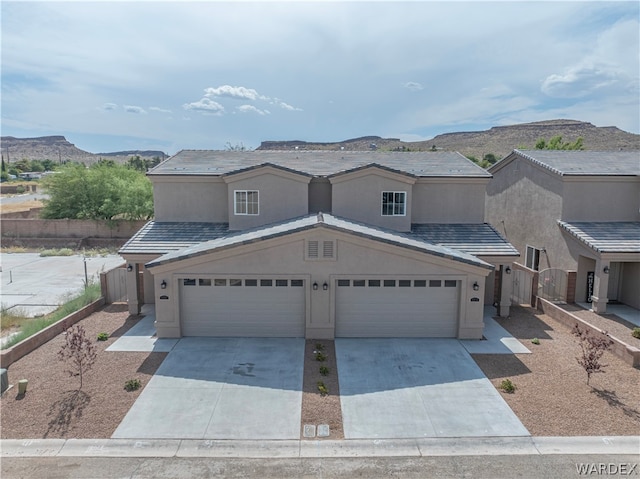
(522, 286)
(552, 284)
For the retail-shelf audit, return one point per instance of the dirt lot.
(551, 399)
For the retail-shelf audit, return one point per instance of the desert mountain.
(499, 140)
(57, 148)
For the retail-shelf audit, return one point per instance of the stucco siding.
(448, 201)
(320, 195)
(354, 256)
(360, 199)
(280, 198)
(630, 285)
(524, 203)
(197, 200)
(601, 199)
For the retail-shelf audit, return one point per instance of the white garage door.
(391, 307)
(243, 307)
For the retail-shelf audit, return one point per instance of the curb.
(421, 447)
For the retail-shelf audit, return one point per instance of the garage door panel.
(396, 311)
(256, 311)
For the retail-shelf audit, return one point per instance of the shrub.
(319, 347)
(507, 386)
(103, 336)
(29, 327)
(322, 388)
(636, 333)
(324, 370)
(592, 348)
(57, 252)
(20, 189)
(535, 341)
(80, 350)
(320, 357)
(132, 385)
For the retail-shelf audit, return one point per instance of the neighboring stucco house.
(575, 211)
(318, 244)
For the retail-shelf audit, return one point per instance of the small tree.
(80, 350)
(592, 348)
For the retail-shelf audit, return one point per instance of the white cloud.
(579, 81)
(109, 106)
(159, 110)
(228, 91)
(251, 108)
(134, 109)
(205, 105)
(611, 65)
(285, 106)
(413, 86)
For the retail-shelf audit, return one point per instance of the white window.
(394, 203)
(246, 202)
(532, 258)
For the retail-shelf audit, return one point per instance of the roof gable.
(375, 169)
(264, 168)
(318, 221)
(578, 162)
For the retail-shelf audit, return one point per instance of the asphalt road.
(476, 467)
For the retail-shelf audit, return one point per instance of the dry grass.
(23, 206)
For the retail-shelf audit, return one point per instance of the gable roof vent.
(312, 249)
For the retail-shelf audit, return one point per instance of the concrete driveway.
(222, 388)
(251, 388)
(412, 388)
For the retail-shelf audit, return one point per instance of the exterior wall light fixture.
(507, 270)
(476, 286)
(325, 286)
(315, 286)
(163, 285)
(606, 270)
(129, 268)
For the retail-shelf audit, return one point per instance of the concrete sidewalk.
(497, 340)
(427, 447)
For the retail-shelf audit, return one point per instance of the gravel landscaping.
(319, 408)
(551, 399)
(54, 408)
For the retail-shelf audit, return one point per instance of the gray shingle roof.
(318, 163)
(587, 163)
(606, 237)
(475, 239)
(162, 237)
(315, 221)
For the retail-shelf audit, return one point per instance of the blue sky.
(198, 75)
